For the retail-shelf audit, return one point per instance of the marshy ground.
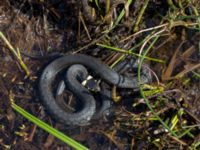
(163, 115)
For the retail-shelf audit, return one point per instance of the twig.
(89, 44)
(84, 25)
(177, 140)
(144, 30)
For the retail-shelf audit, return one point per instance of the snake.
(76, 66)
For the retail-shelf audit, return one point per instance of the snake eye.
(91, 84)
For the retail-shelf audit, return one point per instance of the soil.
(40, 29)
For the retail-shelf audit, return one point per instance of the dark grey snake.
(75, 67)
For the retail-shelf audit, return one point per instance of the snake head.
(91, 84)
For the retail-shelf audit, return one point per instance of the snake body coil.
(73, 77)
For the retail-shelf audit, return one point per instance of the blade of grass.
(132, 49)
(175, 119)
(49, 129)
(186, 132)
(96, 3)
(128, 52)
(142, 92)
(196, 145)
(16, 53)
(121, 15)
(139, 17)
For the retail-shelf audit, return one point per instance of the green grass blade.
(121, 15)
(142, 92)
(49, 129)
(129, 52)
(15, 52)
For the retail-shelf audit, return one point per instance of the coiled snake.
(76, 71)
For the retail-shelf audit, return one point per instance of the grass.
(16, 53)
(121, 15)
(69, 141)
(129, 52)
(143, 93)
(32, 118)
(176, 130)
